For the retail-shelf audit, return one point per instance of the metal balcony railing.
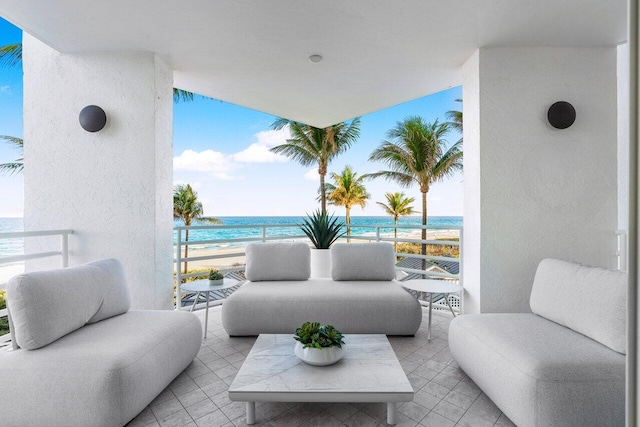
(269, 232)
(63, 253)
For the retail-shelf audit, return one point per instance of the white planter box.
(320, 263)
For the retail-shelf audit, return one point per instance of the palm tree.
(347, 190)
(18, 165)
(310, 145)
(397, 205)
(187, 208)
(415, 154)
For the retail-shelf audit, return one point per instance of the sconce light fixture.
(92, 118)
(561, 115)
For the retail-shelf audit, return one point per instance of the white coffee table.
(199, 286)
(368, 372)
(429, 286)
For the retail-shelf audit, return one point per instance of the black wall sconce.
(92, 118)
(561, 115)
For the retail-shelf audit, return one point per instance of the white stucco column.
(113, 187)
(533, 191)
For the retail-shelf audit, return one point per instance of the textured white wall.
(472, 191)
(543, 192)
(113, 187)
(623, 136)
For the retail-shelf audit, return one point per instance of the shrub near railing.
(4, 322)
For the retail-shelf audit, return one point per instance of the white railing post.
(264, 234)
(378, 234)
(64, 250)
(178, 269)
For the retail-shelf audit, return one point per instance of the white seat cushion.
(103, 374)
(354, 307)
(538, 372)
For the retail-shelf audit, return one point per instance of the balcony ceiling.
(377, 53)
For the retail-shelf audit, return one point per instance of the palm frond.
(11, 168)
(13, 140)
(16, 166)
(347, 189)
(182, 95)
(11, 54)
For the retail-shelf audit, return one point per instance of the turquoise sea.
(15, 246)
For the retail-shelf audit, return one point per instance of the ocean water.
(10, 247)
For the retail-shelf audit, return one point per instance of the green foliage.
(215, 275)
(311, 334)
(4, 323)
(322, 229)
(17, 166)
(435, 250)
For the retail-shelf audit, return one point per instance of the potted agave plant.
(319, 345)
(215, 278)
(322, 229)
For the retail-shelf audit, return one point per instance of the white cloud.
(258, 152)
(5, 89)
(312, 174)
(217, 164)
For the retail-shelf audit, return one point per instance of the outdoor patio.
(444, 395)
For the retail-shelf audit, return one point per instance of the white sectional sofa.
(563, 364)
(81, 358)
(362, 296)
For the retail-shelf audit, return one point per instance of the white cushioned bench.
(563, 364)
(85, 359)
(362, 296)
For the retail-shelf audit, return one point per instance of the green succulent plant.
(311, 334)
(215, 275)
(322, 229)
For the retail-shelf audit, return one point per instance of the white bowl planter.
(319, 357)
(216, 282)
(320, 263)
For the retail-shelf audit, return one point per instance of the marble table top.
(368, 372)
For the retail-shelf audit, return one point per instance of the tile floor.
(444, 395)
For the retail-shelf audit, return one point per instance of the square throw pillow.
(363, 261)
(278, 261)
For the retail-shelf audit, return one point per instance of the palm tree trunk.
(395, 235)
(186, 250)
(348, 223)
(323, 194)
(424, 231)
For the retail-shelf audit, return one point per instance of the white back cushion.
(278, 261)
(363, 261)
(47, 305)
(589, 300)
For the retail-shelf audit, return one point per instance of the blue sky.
(222, 150)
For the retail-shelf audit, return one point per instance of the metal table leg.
(251, 412)
(195, 301)
(391, 413)
(206, 316)
(446, 298)
(430, 308)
